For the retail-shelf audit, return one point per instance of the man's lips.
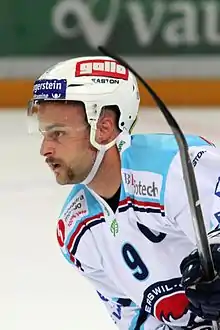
(53, 165)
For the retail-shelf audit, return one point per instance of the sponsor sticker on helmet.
(101, 68)
(50, 89)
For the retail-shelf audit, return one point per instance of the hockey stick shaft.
(188, 174)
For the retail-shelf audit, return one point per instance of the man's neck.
(108, 177)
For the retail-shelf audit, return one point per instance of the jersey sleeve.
(127, 316)
(206, 163)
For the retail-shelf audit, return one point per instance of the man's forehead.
(58, 113)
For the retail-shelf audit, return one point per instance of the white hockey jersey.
(132, 256)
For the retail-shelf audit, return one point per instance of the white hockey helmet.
(97, 81)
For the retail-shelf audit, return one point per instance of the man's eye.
(57, 134)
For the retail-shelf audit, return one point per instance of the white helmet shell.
(95, 81)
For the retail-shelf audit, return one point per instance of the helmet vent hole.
(95, 108)
(122, 124)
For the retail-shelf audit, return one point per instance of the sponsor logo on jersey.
(198, 156)
(50, 89)
(61, 232)
(142, 184)
(166, 300)
(114, 228)
(76, 208)
(101, 68)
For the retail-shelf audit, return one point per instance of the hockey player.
(126, 224)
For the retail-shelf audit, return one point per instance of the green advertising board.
(160, 38)
(130, 27)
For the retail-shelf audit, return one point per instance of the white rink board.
(39, 290)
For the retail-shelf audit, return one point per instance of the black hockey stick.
(188, 174)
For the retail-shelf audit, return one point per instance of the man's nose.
(47, 148)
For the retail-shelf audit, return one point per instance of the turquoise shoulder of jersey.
(76, 218)
(145, 165)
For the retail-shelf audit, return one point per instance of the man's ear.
(105, 129)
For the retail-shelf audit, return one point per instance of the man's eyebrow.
(52, 126)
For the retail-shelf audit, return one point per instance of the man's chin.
(60, 179)
(63, 180)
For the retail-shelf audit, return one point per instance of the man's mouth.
(55, 166)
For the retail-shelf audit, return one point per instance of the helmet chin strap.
(99, 156)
